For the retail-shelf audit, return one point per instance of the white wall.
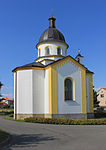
(52, 58)
(46, 62)
(31, 92)
(46, 89)
(15, 93)
(24, 92)
(53, 48)
(87, 91)
(80, 59)
(38, 91)
(65, 107)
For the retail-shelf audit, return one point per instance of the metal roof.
(52, 34)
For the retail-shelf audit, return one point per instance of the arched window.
(47, 52)
(58, 51)
(68, 89)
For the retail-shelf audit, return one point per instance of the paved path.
(30, 136)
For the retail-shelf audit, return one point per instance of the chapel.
(54, 85)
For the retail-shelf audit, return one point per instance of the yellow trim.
(52, 90)
(68, 60)
(73, 87)
(47, 46)
(90, 76)
(83, 91)
(58, 63)
(29, 68)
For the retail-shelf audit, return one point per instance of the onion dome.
(52, 34)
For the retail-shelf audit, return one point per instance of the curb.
(5, 142)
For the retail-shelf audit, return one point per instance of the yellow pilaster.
(52, 90)
(90, 93)
(83, 91)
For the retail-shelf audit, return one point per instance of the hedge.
(100, 115)
(66, 121)
(6, 111)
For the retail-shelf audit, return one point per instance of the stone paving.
(31, 136)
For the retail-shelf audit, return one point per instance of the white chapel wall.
(46, 89)
(38, 91)
(53, 48)
(24, 92)
(66, 107)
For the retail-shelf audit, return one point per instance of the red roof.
(8, 99)
(101, 88)
(3, 104)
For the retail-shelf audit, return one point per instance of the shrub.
(99, 114)
(67, 121)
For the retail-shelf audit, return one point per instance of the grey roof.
(79, 55)
(34, 64)
(52, 34)
(88, 71)
(38, 64)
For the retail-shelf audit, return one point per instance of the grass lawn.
(3, 136)
(4, 112)
(96, 121)
(11, 118)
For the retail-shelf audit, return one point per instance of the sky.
(82, 22)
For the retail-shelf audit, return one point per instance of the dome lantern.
(52, 34)
(52, 22)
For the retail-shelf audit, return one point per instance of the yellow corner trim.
(52, 90)
(90, 93)
(83, 91)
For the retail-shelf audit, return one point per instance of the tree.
(0, 88)
(96, 102)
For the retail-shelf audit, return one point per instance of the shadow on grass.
(27, 140)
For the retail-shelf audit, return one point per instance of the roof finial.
(52, 22)
(79, 51)
(51, 11)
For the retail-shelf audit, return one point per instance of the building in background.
(6, 102)
(54, 85)
(102, 97)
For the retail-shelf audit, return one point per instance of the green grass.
(3, 136)
(95, 121)
(11, 118)
(6, 110)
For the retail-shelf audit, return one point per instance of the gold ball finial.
(79, 51)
